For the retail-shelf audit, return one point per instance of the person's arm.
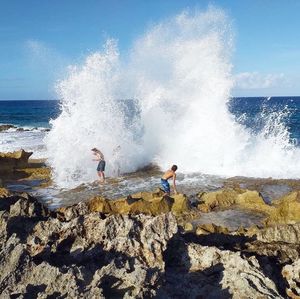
(97, 157)
(174, 184)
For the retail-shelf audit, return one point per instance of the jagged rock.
(229, 197)
(208, 272)
(292, 274)
(210, 228)
(6, 127)
(281, 252)
(86, 257)
(15, 160)
(4, 193)
(142, 202)
(287, 210)
(78, 252)
(188, 227)
(289, 233)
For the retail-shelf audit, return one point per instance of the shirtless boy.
(164, 180)
(101, 164)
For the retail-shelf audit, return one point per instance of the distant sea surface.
(31, 119)
(30, 122)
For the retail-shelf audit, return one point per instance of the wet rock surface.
(85, 251)
(12, 161)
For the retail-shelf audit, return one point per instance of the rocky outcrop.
(210, 228)
(12, 161)
(287, 209)
(6, 127)
(225, 198)
(292, 274)
(143, 202)
(197, 271)
(85, 251)
(88, 256)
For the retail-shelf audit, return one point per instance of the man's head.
(174, 168)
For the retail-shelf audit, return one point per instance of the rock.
(289, 233)
(196, 271)
(102, 249)
(292, 274)
(6, 127)
(11, 161)
(229, 197)
(287, 210)
(4, 193)
(84, 257)
(188, 227)
(210, 228)
(142, 202)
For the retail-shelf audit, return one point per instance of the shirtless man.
(101, 164)
(164, 180)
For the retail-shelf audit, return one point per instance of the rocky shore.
(146, 245)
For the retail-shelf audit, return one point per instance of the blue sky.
(39, 38)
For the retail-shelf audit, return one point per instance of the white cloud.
(42, 56)
(255, 80)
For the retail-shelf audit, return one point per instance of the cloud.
(255, 80)
(42, 56)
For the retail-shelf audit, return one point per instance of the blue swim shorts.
(101, 166)
(165, 185)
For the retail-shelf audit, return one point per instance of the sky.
(40, 38)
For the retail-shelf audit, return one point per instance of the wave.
(16, 128)
(177, 81)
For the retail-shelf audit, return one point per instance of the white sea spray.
(165, 103)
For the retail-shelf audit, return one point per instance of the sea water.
(29, 122)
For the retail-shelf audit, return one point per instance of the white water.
(179, 75)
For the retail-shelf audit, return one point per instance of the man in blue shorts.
(101, 164)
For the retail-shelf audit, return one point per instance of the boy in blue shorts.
(164, 180)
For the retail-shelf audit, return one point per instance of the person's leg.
(101, 170)
(102, 175)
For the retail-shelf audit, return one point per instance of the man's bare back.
(164, 180)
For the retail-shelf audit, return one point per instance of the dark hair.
(174, 167)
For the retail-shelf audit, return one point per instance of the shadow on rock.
(182, 282)
(111, 287)
(22, 226)
(221, 241)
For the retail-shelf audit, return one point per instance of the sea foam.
(164, 102)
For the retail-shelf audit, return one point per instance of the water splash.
(176, 82)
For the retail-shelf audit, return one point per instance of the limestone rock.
(15, 160)
(84, 257)
(142, 202)
(6, 127)
(4, 193)
(287, 210)
(292, 274)
(208, 272)
(210, 228)
(289, 233)
(229, 197)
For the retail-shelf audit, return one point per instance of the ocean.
(30, 120)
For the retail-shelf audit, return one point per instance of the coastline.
(146, 245)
